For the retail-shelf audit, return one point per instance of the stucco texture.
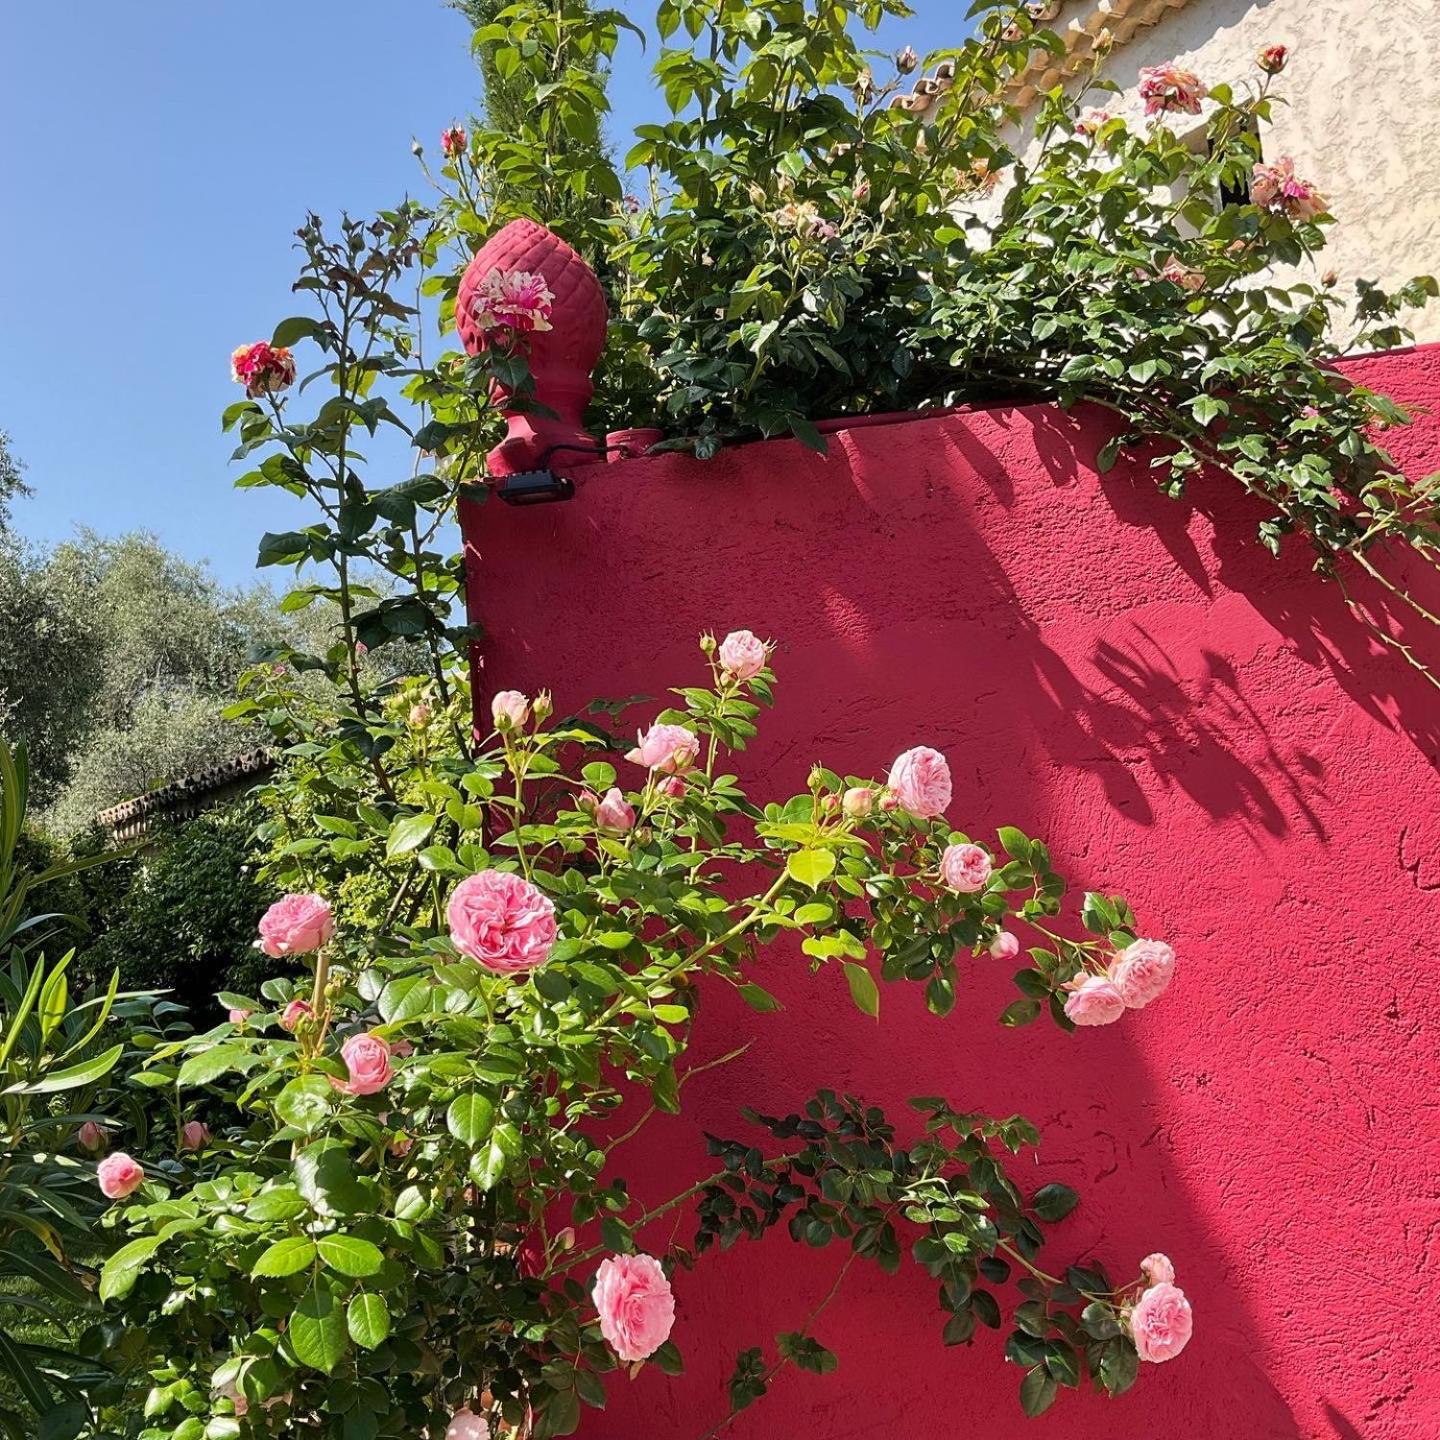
(1185, 720)
(1361, 108)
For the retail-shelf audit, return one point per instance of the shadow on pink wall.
(1186, 720)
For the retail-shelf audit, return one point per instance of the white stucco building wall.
(1361, 118)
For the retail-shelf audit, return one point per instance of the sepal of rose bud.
(587, 801)
(708, 643)
(544, 707)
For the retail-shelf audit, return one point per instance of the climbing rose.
(1004, 946)
(614, 814)
(1272, 59)
(920, 780)
(1277, 189)
(452, 141)
(238, 1016)
(1182, 275)
(637, 1309)
(742, 655)
(670, 749)
(1092, 121)
(518, 302)
(501, 920)
(857, 802)
(195, 1135)
(1157, 1269)
(673, 786)
(119, 1176)
(965, 868)
(1168, 89)
(509, 710)
(293, 1014)
(91, 1136)
(262, 369)
(295, 925)
(466, 1425)
(1161, 1323)
(1142, 972)
(367, 1058)
(1094, 1001)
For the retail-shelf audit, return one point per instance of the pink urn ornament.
(561, 356)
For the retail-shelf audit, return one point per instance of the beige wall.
(1362, 122)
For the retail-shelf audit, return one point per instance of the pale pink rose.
(420, 715)
(1272, 59)
(119, 1176)
(401, 1146)
(670, 749)
(502, 921)
(293, 1014)
(295, 925)
(637, 1308)
(673, 787)
(742, 655)
(509, 710)
(1004, 946)
(1092, 121)
(858, 802)
(1142, 972)
(194, 1135)
(965, 868)
(1178, 273)
(613, 814)
(1167, 89)
(1278, 189)
(402, 1049)
(238, 1017)
(1161, 1323)
(1094, 1001)
(91, 1136)
(367, 1058)
(1157, 1269)
(466, 1425)
(920, 780)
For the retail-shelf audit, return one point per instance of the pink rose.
(293, 1014)
(367, 1058)
(509, 710)
(965, 868)
(1278, 189)
(502, 921)
(401, 1146)
(91, 1136)
(420, 715)
(295, 925)
(742, 655)
(920, 780)
(513, 303)
(1157, 1269)
(1177, 273)
(1161, 1323)
(1168, 88)
(194, 1135)
(119, 1176)
(263, 369)
(452, 141)
(1092, 121)
(1142, 972)
(1272, 59)
(466, 1425)
(614, 814)
(1004, 946)
(1094, 1001)
(402, 1049)
(670, 749)
(637, 1308)
(238, 1017)
(673, 787)
(857, 802)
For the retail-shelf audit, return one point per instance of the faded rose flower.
(452, 141)
(294, 1013)
(509, 710)
(91, 1136)
(1161, 1323)
(466, 1425)
(1330, 277)
(920, 780)
(1272, 59)
(614, 814)
(637, 1308)
(742, 655)
(295, 925)
(367, 1059)
(1142, 972)
(1092, 121)
(1004, 946)
(194, 1135)
(502, 921)
(1278, 189)
(1182, 275)
(420, 715)
(670, 749)
(513, 303)
(906, 60)
(858, 802)
(861, 192)
(1157, 1269)
(119, 1175)
(263, 369)
(1094, 1000)
(1167, 89)
(965, 868)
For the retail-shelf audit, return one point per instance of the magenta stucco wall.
(1184, 719)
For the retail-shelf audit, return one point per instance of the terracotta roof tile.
(184, 797)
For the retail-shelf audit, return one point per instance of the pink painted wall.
(1184, 719)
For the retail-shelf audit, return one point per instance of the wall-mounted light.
(535, 487)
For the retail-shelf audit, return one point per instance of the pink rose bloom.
(1157, 1269)
(673, 787)
(742, 655)
(194, 1135)
(119, 1176)
(1278, 189)
(858, 802)
(401, 1146)
(402, 1049)
(1094, 1001)
(238, 1017)
(509, 710)
(502, 921)
(1004, 946)
(1167, 89)
(670, 749)
(452, 141)
(420, 715)
(1161, 1323)
(367, 1058)
(1182, 275)
(515, 303)
(965, 868)
(263, 369)
(1272, 59)
(466, 1425)
(1092, 121)
(296, 925)
(91, 1136)
(1142, 972)
(293, 1014)
(920, 780)
(637, 1308)
(614, 814)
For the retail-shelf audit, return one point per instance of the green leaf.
(283, 1202)
(758, 998)
(470, 1118)
(810, 867)
(863, 990)
(305, 1103)
(1054, 1201)
(297, 327)
(122, 1269)
(1099, 1322)
(317, 1328)
(72, 1077)
(1037, 1392)
(367, 1320)
(285, 1257)
(218, 1060)
(408, 833)
(350, 1255)
(325, 1175)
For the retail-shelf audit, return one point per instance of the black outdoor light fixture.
(535, 487)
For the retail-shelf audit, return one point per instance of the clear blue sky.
(156, 159)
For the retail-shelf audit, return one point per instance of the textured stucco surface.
(1360, 118)
(1185, 720)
